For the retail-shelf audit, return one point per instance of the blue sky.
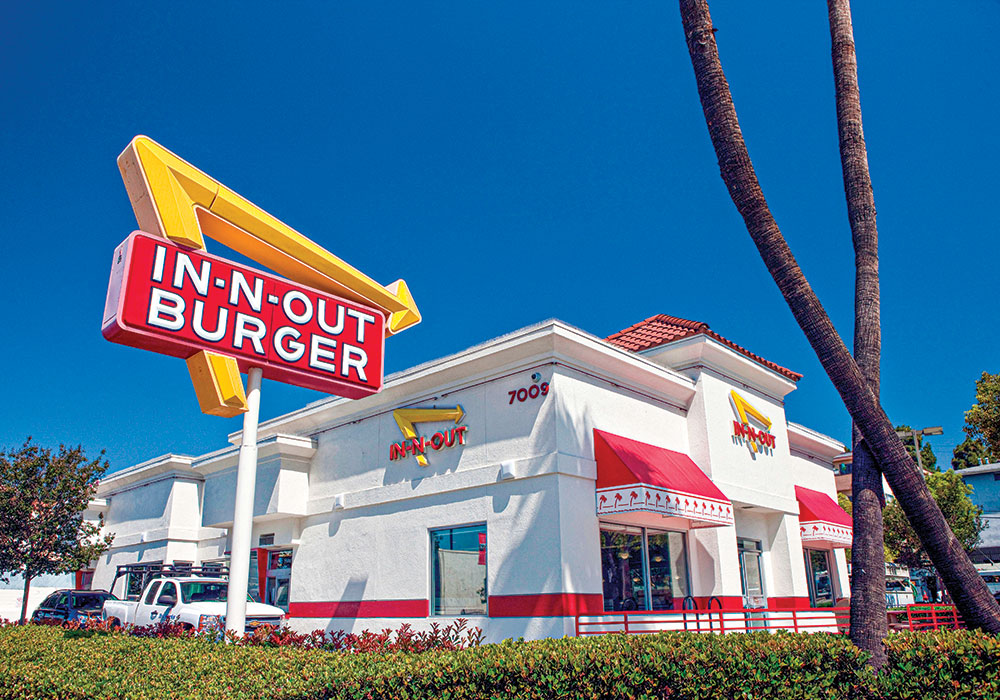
(513, 162)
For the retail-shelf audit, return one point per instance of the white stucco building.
(563, 474)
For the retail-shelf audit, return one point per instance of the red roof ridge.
(662, 329)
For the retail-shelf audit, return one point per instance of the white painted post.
(246, 481)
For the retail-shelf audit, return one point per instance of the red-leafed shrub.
(452, 637)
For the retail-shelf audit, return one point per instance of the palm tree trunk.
(869, 625)
(967, 588)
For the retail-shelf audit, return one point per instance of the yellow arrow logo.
(745, 409)
(172, 198)
(407, 417)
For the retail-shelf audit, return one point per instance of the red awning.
(821, 520)
(635, 476)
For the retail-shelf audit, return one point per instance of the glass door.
(752, 581)
(751, 574)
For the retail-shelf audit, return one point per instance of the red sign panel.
(168, 299)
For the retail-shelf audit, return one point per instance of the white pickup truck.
(196, 601)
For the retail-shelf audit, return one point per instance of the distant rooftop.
(979, 469)
(662, 329)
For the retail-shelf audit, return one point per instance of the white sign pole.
(246, 480)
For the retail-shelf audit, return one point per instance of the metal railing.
(719, 620)
(927, 617)
(716, 621)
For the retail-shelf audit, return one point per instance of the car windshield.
(207, 592)
(89, 600)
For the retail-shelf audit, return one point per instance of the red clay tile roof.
(661, 329)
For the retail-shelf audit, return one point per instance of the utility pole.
(934, 430)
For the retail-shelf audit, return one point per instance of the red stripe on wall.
(79, 580)
(788, 603)
(546, 604)
(360, 608)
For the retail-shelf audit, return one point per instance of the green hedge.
(942, 665)
(43, 662)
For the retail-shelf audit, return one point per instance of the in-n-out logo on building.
(420, 446)
(758, 439)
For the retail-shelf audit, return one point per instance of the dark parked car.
(69, 606)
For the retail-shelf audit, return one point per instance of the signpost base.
(246, 480)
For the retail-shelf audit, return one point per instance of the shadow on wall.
(354, 590)
(583, 574)
(528, 515)
(536, 524)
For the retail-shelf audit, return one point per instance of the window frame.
(432, 596)
(607, 525)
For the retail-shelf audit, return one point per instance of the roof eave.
(700, 350)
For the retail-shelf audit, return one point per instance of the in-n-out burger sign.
(757, 439)
(166, 294)
(175, 301)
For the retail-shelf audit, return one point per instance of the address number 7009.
(531, 392)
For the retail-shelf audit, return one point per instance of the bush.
(46, 662)
(943, 665)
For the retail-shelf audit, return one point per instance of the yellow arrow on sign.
(406, 417)
(217, 384)
(172, 198)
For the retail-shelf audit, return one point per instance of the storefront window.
(623, 569)
(458, 558)
(818, 576)
(642, 569)
(668, 576)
